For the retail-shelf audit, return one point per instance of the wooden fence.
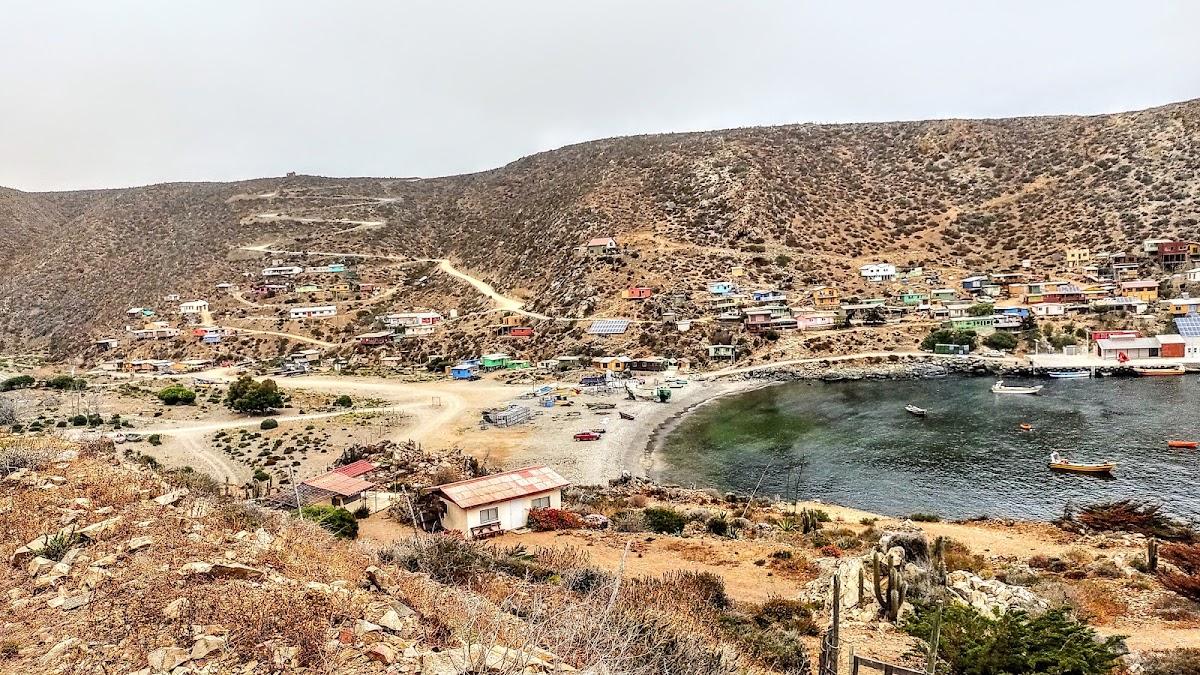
(857, 663)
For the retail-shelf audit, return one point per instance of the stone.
(171, 497)
(82, 502)
(205, 645)
(382, 653)
(166, 659)
(39, 566)
(96, 530)
(61, 648)
(76, 601)
(391, 621)
(138, 543)
(226, 570)
(362, 627)
(176, 608)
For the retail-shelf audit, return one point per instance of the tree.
(66, 382)
(874, 317)
(18, 382)
(177, 394)
(333, 518)
(343, 401)
(981, 309)
(248, 396)
(948, 336)
(999, 340)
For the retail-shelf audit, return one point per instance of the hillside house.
(982, 325)
(722, 351)
(193, 308)
(403, 332)
(637, 293)
(1150, 246)
(1183, 306)
(494, 361)
(612, 364)
(336, 487)
(1193, 276)
(826, 298)
(139, 312)
(1045, 309)
(105, 344)
(649, 364)
(601, 247)
(771, 317)
(172, 297)
(335, 268)
(465, 370)
(958, 308)
(411, 319)
(1076, 257)
(815, 320)
(489, 505)
(1145, 290)
(1120, 304)
(566, 362)
(913, 298)
(308, 288)
(316, 312)
(518, 364)
(518, 331)
(149, 366)
(287, 271)
(771, 296)
(225, 286)
(1122, 348)
(722, 288)
(943, 294)
(375, 339)
(1064, 293)
(878, 272)
(974, 284)
(1172, 254)
(155, 332)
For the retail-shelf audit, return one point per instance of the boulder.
(223, 569)
(98, 530)
(382, 653)
(165, 659)
(205, 645)
(176, 608)
(990, 596)
(138, 543)
(171, 497)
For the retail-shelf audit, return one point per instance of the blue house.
(769, 296)
(974, 284)
(465, 370)
(721, 287)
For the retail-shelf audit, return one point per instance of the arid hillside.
(793, 205)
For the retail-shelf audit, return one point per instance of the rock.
(61, 649)
(391, 621)
(176, 608)
(226, 570)
(97, 530)
(171, 497)
(992, 597)
(205, 645)
(166, 659)
(362, 627)
(382, 653)
(138, 543)
(75, 602)
(39, 566)
(82, 502)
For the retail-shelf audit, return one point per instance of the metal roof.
(1128, 343)
(502, 486)
(355, 469)
(339, 483)
(608, 326)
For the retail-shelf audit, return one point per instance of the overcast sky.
(114, 93)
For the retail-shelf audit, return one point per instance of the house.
(225, 286)
(288, 271)
(1048, 309)
(403, 332)
(1171, 254)
(496, 361)
(1171, 346)
(305, 356)
(518, 364)
(157, 330)
(943, 294)
(520, 331)
(601, 247)
(1124, 348)
(958, 309)
(374, 339)
(1005, 321)
(1145, 290)
(974, 284)
(815, 319)
(308, 288)
(770, 317)
(335, 268)
(982, 325)
(612, 364)
(913, 298)
(140, 312)
(651, 364)
(149, 366)
(410, 319)
(826, 297)
(335, 487)
(1118, 304)
(1076, 257)
(488, 505)
(195, 307)
(637, 293)
(769, 296)
(317, 312)
(569, 362)
(106, 344)
(722, 288)
(1193, 275)
(1065, 293)
(722, 351)
(172, 297)
(465, 371)
(1182, 306)
(878, 272)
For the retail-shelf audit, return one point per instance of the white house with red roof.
(489, 505)
(601, 246)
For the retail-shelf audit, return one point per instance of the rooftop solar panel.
(1188, 326)
(608, 326)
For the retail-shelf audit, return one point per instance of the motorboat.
(1183, 444)
(999, 388)
(919, 412)
(1060, 463)
(1160, 372)
(1068, 374)
(1026, 427)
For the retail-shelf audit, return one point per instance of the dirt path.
(289, 336)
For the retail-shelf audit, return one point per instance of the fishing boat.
(919, 412)
(1060, 463)
(1026, 427)
(1068, 374)
(999, 388)
(1159, 372)
(1183, 444)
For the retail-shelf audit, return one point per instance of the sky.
(131, 92)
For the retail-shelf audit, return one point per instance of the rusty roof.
(500, 487)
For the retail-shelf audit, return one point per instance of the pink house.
(815, 320)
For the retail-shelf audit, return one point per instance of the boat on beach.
(1060, 463)
(919, 412)
(1068, 374)
(1000, 388)
(1183, 444)
(1160, 372)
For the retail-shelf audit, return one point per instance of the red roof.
(502, 486)
(338, 483)
(355, 469)
(602, 241)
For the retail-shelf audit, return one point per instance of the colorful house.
(1182, 306)
(492, 504)
(465, 370)
(815, 320)
(1145, 290)
(982, 325)
(722, 287)
(637, 293)
(974, 284)
(777, 317)
(913, 298)
(612, 364)
(374, 339)
(826, 298)
(1171, 254)
(722, 351)
(878, 272)
(772, 295)
(943, 294)
(494, 361)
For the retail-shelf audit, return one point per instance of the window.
(541, 503)
(491, 515)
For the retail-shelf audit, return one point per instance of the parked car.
(587, 436)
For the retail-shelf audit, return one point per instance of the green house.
(982, 325)
(494, 361)
(913, 298)
(517, 364)
(943, 294)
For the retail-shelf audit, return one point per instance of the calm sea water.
(852, 443)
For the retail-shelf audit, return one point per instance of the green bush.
(79, 420)
(66, 382)
(1000, 341)
(664, 520)
(261, 476)
(18, 382)
(946, 336)
(154, 439)
(718, 525)
(248, 396)
(269, 423)
(343, 401)
(363, 511)
(337, 520)
(177, 394)
(925, 517)
(972, 643)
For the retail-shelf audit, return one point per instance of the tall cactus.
(1152, 555)
(891, 599)
(809, 522)
(938, 564)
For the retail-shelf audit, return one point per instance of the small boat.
(919, 412)
(625, 416)
(1183, 444)
(1068, 374)
(1060, 463)
(1026, 427)
(999, 388)
(1159, 372)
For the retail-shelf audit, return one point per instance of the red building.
(1106, 334)
(1172, 253)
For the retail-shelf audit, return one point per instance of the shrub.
(999, 340)
(248, 396)
(176, 395)
(57, 545)
(1173, 662)
(1054, 642)
(628, 521)
(925, 518)
(363, 511)
(447, 558)
(543, 520)
(261, 476)
(66, 382)
(18, 382)
(718, 525)
(337, 520)
(269, 423)
(154, 439)
(664, 520)
(1127, 515)
(343, 401)
(79, 420)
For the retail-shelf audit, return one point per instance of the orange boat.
(1159, 372)
(1026, 427)
(1183, 444)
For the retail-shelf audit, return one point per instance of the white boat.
(919, 412)
(1068, 374)
(999, 388)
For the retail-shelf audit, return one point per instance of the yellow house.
(826, 298)
(737, 271)
(1077, 257)
(1145, 290)
(615, 364)
(1182, 306)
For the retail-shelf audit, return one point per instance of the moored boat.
(919, 412)
(1026, 427)
(1159, 372)
(999, 388)
(1060, 463)
(1068, 374)
(1183, 444)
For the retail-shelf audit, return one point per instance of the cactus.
(892, 599)
(1152, 555)
(937, 567)
(808, 521)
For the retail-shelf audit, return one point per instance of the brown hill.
(793, 204)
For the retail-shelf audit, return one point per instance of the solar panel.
(608, 326)
(1188, 326)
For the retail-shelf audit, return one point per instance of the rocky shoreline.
(880, 368)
